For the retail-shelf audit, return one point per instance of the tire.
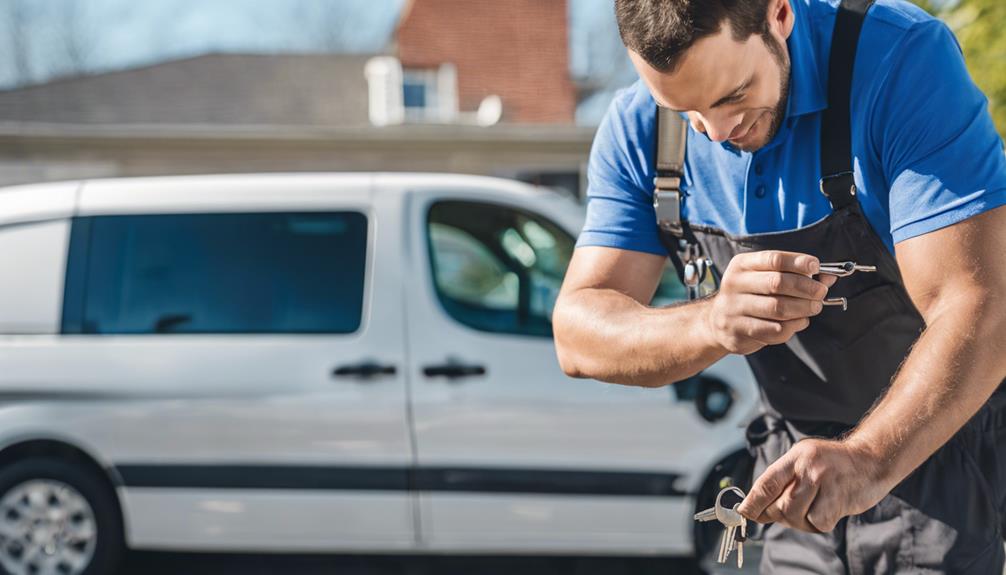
(66, 535)
(737, 468)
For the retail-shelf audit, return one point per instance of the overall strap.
(837, 183)
(671, 135)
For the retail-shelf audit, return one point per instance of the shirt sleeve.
(620, 210)
(942, 158)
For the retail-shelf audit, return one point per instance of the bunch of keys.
(843, 269)
(736, 526)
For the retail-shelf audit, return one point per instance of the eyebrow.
(737, 91)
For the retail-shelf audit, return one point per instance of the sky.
(115, 34)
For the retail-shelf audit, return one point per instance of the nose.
(720, 128)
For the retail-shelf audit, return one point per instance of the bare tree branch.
(74, 39)
(19, 49)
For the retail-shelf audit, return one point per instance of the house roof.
(517, 50)
(286, 89)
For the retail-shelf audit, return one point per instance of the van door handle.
(364, 370)
(454, 370)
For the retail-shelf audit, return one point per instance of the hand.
(815, 484)
(764, 298)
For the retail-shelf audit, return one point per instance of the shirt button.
(759, 169)
(760, 192)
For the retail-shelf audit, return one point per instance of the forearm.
(949, 374)
(606, 335)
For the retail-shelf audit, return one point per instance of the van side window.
(496, 268)
(253, 273)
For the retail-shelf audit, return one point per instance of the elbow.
(575, 362)
(566, 352)
(583, 356)
(568, 364)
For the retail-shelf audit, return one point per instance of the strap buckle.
(667, 205)
(825, 180)
(833, 188)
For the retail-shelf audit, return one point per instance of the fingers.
(777, 261)
(764, 298)
(786, 331)
(764, 331)
(768, 487)
(827, 280)
(779, 308)
(784, 284)
(791, 508)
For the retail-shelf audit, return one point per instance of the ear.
(781, 18)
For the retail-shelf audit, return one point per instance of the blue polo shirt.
(925, 149)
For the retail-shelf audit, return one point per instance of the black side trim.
(265, 477)
(470, 480)
(547, 481)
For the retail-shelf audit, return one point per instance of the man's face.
(732, 91)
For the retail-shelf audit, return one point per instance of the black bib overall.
(945, 517)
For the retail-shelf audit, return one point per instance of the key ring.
(731, 489)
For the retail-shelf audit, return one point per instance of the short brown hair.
(660, 31)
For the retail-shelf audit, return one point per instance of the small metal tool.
(837, 301)
(842, 269)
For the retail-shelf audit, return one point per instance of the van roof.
(34, 202)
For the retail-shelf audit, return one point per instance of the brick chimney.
(516, 49)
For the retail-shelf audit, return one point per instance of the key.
(726, 541)
(845, 269)
(735, 526)
(707, 515)
(740, 536)
(733, 536)
(715, 511)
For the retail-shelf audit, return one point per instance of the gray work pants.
(946, 517)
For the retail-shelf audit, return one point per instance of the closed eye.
(736, 96)
(732, 99)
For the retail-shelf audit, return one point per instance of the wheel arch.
(26, 447)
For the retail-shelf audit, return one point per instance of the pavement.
(165, 563)
(752, 556)
(162, 563)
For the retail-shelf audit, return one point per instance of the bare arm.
(604, 328)
(957, 278)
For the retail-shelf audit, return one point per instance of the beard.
(778, 113)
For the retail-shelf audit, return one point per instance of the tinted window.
(495, 268)
(217, 273)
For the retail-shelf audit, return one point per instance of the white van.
(323, 363)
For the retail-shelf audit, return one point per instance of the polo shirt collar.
(806, 89)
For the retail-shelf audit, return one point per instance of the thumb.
(768, 487)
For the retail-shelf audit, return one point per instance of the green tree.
(979, 26)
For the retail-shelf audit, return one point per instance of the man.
(877, 452)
